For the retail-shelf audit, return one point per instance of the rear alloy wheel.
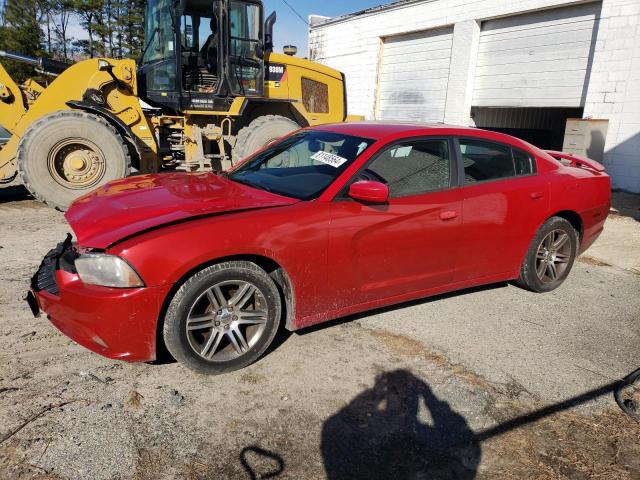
(550, 256)
(223, 318)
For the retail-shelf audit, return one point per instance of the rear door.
(504, 203)
(407, 244)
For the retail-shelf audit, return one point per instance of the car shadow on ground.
(398, 306)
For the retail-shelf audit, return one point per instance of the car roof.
(393, 130)
(376, 130)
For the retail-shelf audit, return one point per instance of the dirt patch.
(251, 378)
(407, 346)
(568, 446)
(587, 260)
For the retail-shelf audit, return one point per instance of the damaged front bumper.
(114, 322)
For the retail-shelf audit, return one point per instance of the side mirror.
(369, 192)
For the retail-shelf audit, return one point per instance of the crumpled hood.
(132, 205)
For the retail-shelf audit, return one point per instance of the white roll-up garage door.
(413, 76)
(539, 59)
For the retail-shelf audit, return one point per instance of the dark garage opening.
(543, 127)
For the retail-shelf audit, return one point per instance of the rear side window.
(485, 161)
(414, 167)
(523, 162)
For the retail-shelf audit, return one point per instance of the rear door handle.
(448, 215)
(536, 195)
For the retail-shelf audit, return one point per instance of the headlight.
(107, 271)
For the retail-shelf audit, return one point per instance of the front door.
(407, 244)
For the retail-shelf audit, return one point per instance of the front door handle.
(448, 215)
(536, 195)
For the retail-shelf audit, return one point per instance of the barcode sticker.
(328, 158)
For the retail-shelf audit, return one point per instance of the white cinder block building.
(531, 68)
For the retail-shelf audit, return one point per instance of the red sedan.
(326, 222)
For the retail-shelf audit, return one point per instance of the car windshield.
(301, 166)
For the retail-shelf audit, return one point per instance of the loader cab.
(200, 54)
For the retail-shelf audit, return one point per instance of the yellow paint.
(291, 88)
(77, 163)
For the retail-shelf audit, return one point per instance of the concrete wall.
(352, 45)
(614, 90)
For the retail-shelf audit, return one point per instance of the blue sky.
(290, 29)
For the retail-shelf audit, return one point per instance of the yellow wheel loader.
(207, 91)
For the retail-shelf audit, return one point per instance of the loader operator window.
(199, 47)
(159, 47)
(244, 26)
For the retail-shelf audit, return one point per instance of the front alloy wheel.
(227, 320)
(223, 318)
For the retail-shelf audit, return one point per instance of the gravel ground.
(469, 385)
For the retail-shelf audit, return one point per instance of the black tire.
(44, 147)
(532, 265)
(259, 133)
(180, 342)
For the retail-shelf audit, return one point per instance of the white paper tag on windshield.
(328, 158)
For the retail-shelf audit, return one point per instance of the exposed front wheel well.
(273, 269)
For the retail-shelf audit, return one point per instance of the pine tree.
(3, 5)
(89, 11)
(132, 28)
(22, 34)
(62, 11)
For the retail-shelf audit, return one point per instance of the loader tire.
(260, 133)
(67, 154)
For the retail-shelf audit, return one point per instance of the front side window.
(244, 26)
(413, 168)
(303, 165)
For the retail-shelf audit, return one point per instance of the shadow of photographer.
(384, 433)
